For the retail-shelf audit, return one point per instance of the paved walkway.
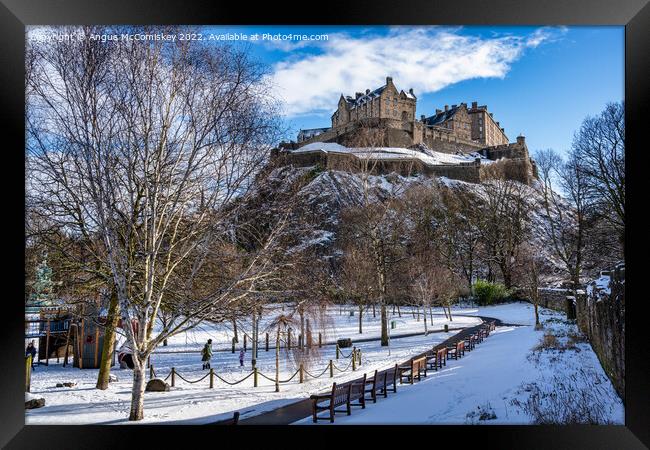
(293, 412)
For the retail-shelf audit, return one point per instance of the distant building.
(452, 129)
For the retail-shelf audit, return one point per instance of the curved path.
(293, 412)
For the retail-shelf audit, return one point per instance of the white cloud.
(425, 59)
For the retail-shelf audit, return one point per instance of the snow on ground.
(197, 403)
(492, 384)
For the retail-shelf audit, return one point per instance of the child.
(241, 358)
(206, 354)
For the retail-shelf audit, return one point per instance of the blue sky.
(539, 81)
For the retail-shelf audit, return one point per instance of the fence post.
(320, 340)
(28, 373)
(150, 372)
(255, 377)
(337, 351)
(267, 342)
(331, 369)
(354, 358)
(233, 345)
(302, 376)
(211, 378)
(173, 377)
(359, 356)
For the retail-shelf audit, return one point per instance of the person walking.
(241, 358)
(31, 350)
(206, 354)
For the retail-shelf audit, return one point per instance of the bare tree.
(140, 147)
(565, 217)
(599, 148)
(504, 223)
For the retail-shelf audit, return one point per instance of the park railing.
(354, 362)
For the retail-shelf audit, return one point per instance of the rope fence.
(355, 360)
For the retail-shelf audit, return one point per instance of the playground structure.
(62, 330)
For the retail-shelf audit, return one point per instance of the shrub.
(487, 293)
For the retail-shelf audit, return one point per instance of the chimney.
(453, 106)
(389, 80)
(422, 117)
(411, 91)
(491, 115)
(357, 95)
(367, 91)
(438, 111)
(498, 124)
(521, 139)
(464, 104)
(446, 108)
(474, 105)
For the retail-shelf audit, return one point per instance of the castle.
(384, 118)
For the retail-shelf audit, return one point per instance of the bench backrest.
(441, 354)
(340, 394)
(357, 388)
(418, 364)
(391, 375)
(460, 345)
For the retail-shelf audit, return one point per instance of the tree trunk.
(536, 314)
(360, 319)
(302, 329)
(384, 326)
(277, 361)
(234, 327)
(137, 392)
(374, 312)
(449, 309)
(424, 315)
(109, 341)
(254, 343)
(399, 312)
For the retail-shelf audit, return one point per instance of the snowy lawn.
(197, 403)
(507, 379)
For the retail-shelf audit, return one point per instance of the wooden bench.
(339, 396)
(456, 351)
(358, 393)
(371, 386)
(387, 378)
(413, 369)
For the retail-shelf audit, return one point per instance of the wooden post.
(47, 344)
(96, 344)
(67, 344)
(267, 342)
(211, 378)
(337, 351)
(233, 345)
(255, 377)
(28, 373)
(173, 377)
(320, 339)
(354, 358)
(302, 376)
(331, 369)
(150, 372)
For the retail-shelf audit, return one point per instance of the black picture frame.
(633, 14)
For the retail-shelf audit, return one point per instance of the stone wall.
(602, 318)
(554, 298)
